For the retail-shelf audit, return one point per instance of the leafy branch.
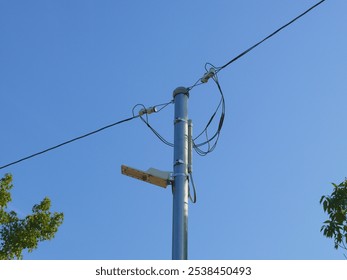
(18, 234)
(335, 205)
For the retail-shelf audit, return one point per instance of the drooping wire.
(68, 142)
(211, 142)
(212, 73)
(145, 119)
(215, 137)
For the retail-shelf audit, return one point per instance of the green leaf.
(321, 199)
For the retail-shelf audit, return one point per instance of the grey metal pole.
(180, 174)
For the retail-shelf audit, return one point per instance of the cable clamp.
(148, 110)
(208, 75)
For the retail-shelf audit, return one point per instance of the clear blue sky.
(69, 67)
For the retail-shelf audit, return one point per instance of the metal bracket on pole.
(152, 175)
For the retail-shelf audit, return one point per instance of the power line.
(212, 73)
(156, 108)
(197, 83)
(68, 142)
(217, 69)
(268, 37)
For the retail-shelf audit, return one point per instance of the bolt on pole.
(180, 176)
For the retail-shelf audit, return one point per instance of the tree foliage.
(335, 205)
(18, 234)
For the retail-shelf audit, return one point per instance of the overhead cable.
(209, 75)
(212, 73)
(160, 106)
(67, 142)
(268, 37)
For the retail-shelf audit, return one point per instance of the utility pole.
(182, 167)
(180, 176)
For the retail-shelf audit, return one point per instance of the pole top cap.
(179, 90)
